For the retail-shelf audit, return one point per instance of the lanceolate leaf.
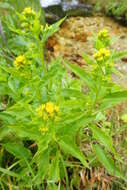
(107, 161)
(113, 99)
(72, 93)
(119, 96)
(71, 148)
(88, 59)
(43, 163)
(82, 74)
(71, 126)
(102, 137)
(119, 55)
(18, 150)
(9, 173)
(4, 5)
(51, 30)
(4, 131)
(54, 172)
(7, 118)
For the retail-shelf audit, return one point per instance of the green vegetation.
(115, 8)
(47, 116)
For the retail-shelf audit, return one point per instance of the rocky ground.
(76, 37)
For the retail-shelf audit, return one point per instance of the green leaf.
(98, 44)
(9, 173)
(85, 76)
(54, 172)
(42, 160)
(64, 170)
(120, 95)
(71, 126)
(84, 120)
(88, 59)
(107, 161)
(72, 93)
(113, 99)
(12, 84)
(119, 55)
(124, 118)
(69, 147)
(52, 187)
(102, 137)
(79, 120)
(6, 6)
(17, 150)
(51, 30)
(7, 118)
(4, 131)
(25, 131)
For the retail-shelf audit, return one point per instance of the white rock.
(46, 3)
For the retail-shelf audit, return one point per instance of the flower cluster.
(103, 34)
(48, 110)
(20, 61)
(28, 19)
(102, 54)
(43, 129)
(28, 11)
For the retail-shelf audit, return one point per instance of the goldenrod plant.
(45, 113)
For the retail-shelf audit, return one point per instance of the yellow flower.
(51, 115)
(103, 34)
(40, 110)
(102, 54)
(43, 129)
(47, 111)
(20, 61)
(45, 117)
(50, 107)
(28, 11)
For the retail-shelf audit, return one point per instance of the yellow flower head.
(40, 110)
(103, 34)
(45, 117)
(28, 11)
(50, 107)
(20, 61)
(47, 111)
(43, 129)
(102, 54)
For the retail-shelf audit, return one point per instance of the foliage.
(115, 8)
(45, 113)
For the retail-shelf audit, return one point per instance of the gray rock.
(56, 9)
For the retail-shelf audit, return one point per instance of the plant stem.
(41, 52)
(42, 57)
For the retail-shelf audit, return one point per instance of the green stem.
(42, 57)
(41, 52)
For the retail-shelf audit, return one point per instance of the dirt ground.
(76, 37)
